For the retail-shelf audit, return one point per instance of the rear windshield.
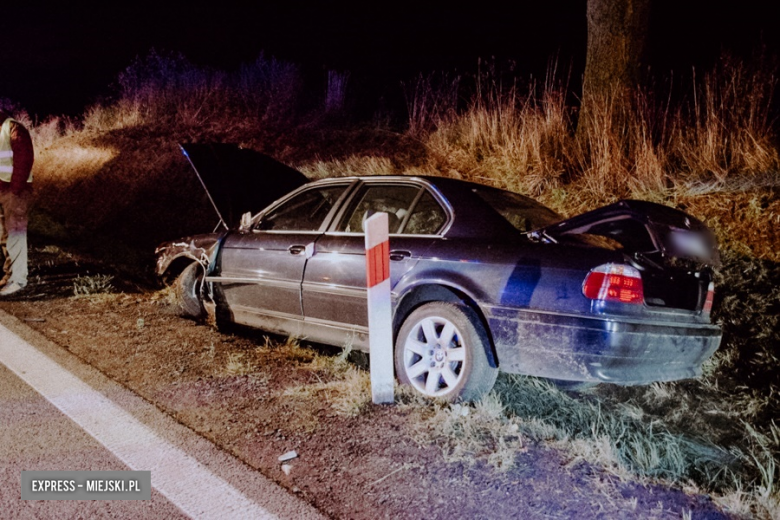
(523, 213)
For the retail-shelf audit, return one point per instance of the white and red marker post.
(380, 328)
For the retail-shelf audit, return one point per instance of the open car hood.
(645, 229)
(239, 180)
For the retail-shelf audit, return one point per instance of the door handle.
(398, 255)
(297, 249)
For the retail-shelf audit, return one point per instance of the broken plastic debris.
(459, 409)
(290, 455)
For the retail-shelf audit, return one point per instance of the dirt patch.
(260, 397)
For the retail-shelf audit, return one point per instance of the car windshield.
(523, 213)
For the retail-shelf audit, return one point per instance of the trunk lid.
(238, 180)
(675, 251)
(659, 233)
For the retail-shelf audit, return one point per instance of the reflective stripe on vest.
(7, 153)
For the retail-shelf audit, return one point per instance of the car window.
(523, 213)
(304, 212)
(427, 217)
(393, 200)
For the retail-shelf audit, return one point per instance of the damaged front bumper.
(198, 248)
(600, 349)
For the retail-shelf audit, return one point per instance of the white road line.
(184, 481)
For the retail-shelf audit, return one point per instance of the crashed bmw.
(482, 279)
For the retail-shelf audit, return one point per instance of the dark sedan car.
(482, 279)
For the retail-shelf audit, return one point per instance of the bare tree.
(617, 33)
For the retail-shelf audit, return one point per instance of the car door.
(334, 285)
(261, 269)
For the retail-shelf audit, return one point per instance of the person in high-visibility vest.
(16, 160)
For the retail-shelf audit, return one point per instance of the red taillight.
(614, 283)
(710, 297)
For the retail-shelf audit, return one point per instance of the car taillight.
(710, 297)
(614, 283)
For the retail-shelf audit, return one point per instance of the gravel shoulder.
(259, 397)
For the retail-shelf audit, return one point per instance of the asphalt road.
(84, 421)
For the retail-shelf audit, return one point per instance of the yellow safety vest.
(7, 153)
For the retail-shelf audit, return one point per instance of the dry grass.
(718, 141)
(166, 90)
(90, 285)
(470, 433)
(345, 387)
(351, 166)
(236, 365)
(507, 140)
(431, 100)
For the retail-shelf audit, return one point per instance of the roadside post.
(380, 329)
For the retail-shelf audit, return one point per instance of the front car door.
(260, 270)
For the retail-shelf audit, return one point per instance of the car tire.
(458, 370)
(187, 289)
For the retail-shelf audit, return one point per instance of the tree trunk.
(617, 31)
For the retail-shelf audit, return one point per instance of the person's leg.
(5, 274)
(14, 237)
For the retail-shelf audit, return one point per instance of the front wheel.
(441, 351)
(187, 288)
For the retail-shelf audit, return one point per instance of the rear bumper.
(577, 348)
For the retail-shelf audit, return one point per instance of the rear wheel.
(187, 288)
(441, 352)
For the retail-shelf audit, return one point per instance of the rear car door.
(334, 285)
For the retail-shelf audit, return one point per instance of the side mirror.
(246, 222)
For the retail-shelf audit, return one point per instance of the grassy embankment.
(115, 180)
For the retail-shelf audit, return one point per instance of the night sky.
(61, 56)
